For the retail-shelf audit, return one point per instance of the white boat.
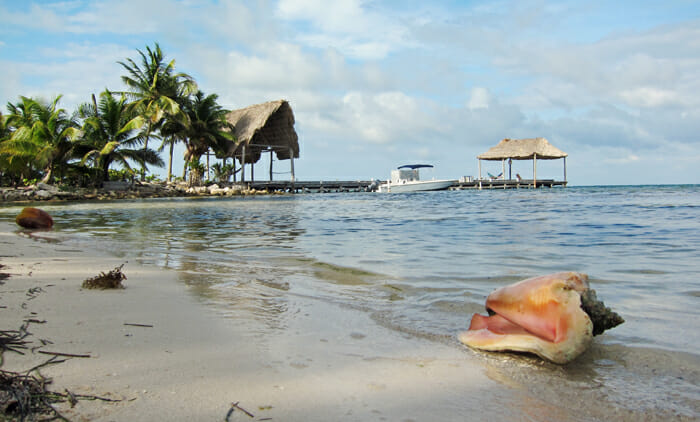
(407, 179)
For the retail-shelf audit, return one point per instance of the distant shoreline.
(147, 190)
(139, 190)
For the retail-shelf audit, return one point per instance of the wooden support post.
(534, 170)
(291, 158)
(479, 173)
(510, 169)
(207, 164)
(564, 171)
(270, 165)
(503, 172)
(243, 164)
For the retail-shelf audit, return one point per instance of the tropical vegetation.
(202, 127)
(108, 136)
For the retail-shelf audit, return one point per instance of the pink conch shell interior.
(540, 315)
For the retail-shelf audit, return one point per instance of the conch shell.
(553, 316)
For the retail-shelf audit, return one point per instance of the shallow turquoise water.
(422, 263)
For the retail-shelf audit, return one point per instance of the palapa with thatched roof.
(264, 127)
(523, 149)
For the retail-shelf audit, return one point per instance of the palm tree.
(5, 166)
(43, 135)
(170, 142)
(4, 129)
(205, 127)
(222, 172)
(111, 134)
(155, 88)
(173, 128)
(13, 165)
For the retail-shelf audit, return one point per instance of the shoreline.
(324, 363)
(50, 194)
(293, 356)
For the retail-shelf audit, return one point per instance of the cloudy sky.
(377, 84)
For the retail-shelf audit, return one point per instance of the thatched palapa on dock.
(266, 127)
(523, 149)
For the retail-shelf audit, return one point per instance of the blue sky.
(377, 84)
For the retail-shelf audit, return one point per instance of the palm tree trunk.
(47, 177)
(143, 165)
(170, 160)
(105, 172)
(207, 164)
(145, 147)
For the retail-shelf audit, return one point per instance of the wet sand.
(320, 362)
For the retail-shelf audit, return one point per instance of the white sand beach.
(325, 363)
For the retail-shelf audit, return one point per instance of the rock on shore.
(118, 190)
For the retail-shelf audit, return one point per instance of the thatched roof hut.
(264, 127)
(523, 149)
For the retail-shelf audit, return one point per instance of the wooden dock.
(508, 184)
(325, 186)
(322, 186)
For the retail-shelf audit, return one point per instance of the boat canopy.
(415, 166)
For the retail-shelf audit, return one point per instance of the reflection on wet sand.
(604, 383)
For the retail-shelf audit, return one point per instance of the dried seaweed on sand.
(110, 280)
(13, 340)
(25, 396)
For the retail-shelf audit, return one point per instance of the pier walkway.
(508, 184)
(322, 186)
(325, 186)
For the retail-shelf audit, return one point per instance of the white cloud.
(376, 118)
(350, 26)
(622, 160)
(649, 97)
(75, 72)
(478, 98)
(657, 68)
(345, 16)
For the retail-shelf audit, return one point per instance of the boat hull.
(416, 186)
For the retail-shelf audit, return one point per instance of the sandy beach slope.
(323, 363)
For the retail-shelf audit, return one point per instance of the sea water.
(423, 263)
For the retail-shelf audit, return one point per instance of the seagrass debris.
(110, 280)
(3, 276)
(235, 406)
(24, 396)
(15, 340)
